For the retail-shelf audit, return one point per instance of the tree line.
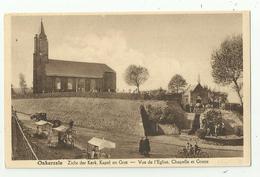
(226, 65)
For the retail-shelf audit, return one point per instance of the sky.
(166, 44)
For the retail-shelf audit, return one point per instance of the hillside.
(114, 115)
(231, 120)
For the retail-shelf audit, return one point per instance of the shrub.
(212, 118)
(168, 115)
(238, 131)
(154, 113)
(201, 133)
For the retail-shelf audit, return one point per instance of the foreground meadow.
(113, 115)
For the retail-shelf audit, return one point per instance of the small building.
(191, 94)
(50, 75)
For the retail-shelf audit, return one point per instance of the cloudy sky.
(165, 44)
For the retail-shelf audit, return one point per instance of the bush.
(201, 133)
(238, 131)
(168, 115)
(154, 113)
(212, 117)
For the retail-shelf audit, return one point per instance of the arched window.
(58, 83)
(70, 83)
(92, 84)
(81, 85)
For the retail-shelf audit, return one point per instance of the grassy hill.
(232, 121)
(114, 115)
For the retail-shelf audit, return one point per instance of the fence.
(130, 96)
(21, 147)
(235, 107)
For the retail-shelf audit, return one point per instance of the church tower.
(40, 58)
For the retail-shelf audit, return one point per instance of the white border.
(242, 161)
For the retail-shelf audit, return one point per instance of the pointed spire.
(42, 33)
(198, 78)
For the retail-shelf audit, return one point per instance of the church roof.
(192, 88)
(76, 69)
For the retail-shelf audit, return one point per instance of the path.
(127, 145)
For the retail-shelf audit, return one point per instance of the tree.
(22, 83)
(12, 90)
(227, 64)
(215, 95)
(177, 83)
(136, 76)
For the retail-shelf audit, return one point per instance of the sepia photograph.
(127, 89)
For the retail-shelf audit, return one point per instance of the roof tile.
(76, 69)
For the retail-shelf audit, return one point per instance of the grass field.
(115, 120)
(113, 115)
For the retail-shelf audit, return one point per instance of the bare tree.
(136, 76)
(177, 83)
(227, 64)
(22, 83)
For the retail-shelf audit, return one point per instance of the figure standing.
(147, 147)
(141, 146)
(198, 109)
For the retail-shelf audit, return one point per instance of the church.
(51, 75)
(192, 93)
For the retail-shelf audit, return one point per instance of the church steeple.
(198, 78)
(42, 33)
(40, 59)
(41, 44)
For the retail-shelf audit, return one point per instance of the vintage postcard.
(127, 90)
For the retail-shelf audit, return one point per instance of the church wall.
(199, 92)
(109, 82)
(98, 84)
(50, 84)
(87, 84)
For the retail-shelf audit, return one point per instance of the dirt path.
(161, 146)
